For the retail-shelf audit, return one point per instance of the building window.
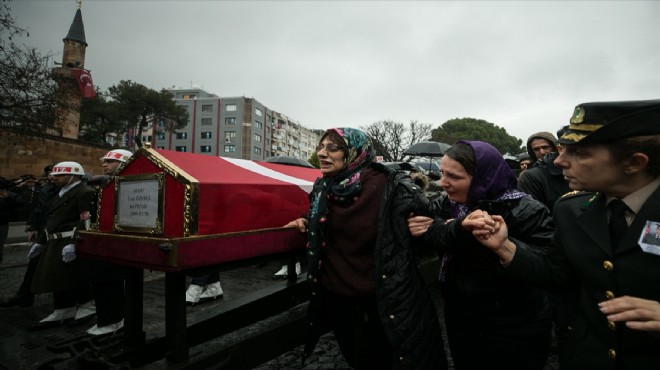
(205, 149)
(161, 136)
(230, 148)
(258, 125)
(257, 150)
(161, 123)
(181, 148)
(207, 121)
(207, 108)
(146, 138)
(230, 108)
(257, 138)
(230, 121)
(181, 135)
(230, 136)
(188, 97)
(259, 112)
(206, 135)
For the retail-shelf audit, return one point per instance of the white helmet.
(67, 168)
(120, 155)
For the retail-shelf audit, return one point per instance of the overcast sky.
(522, 65)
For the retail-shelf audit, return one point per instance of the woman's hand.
(299, 223)
(479, 220)
(637, 313)
(496, 238)
(418, 225)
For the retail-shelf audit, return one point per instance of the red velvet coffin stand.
(173, 211)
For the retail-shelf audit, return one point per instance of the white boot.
(193, 293)
(112, 328)
(212, 291)
(86, 309)
(282, 273)
(61, 314)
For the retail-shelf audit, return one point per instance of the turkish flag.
(85, 83)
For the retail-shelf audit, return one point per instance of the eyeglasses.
(330, 148)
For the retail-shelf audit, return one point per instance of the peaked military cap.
(605, 121)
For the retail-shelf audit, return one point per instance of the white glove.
(35, 250)
(69, 253)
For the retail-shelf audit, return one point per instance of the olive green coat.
(64, 214)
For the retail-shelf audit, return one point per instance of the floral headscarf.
(340, 188)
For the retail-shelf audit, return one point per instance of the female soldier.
(613, 154)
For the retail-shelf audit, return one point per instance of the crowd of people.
(570, 243)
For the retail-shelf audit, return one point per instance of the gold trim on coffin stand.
(191, 195)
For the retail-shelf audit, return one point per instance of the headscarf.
(492, 178)
(340, 188)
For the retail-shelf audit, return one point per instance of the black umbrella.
(289, 161)
(427, 149)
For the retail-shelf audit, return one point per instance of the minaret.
(73, 56)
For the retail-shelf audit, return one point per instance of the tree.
(391, 139)
(27, 91)
(477, 129)
(130, 104)
(314, 160)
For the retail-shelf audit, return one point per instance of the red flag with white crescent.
(85, 83)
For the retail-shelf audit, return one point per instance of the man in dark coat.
(59, 271)
(35, 225)
(613, 154)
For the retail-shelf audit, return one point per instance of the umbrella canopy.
(289, 161)
(427, 149)
(399, 166)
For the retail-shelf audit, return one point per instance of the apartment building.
(235, 127)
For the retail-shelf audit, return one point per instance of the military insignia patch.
(578, 115)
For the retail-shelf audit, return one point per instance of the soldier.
(108, 279)
(59, 271)
(613, 154)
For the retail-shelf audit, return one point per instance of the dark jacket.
(64, 214)
(9, 206)
(474, 285)
(39, 216)
(581, 255)
(544, 181)
(404, 304)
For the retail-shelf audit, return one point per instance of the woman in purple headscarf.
(493, 322)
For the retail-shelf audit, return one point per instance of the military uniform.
(582, 255)
(64, 214)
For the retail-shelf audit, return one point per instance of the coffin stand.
(180, 212)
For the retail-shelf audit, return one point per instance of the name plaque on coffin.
(139, 203)
(171, 211)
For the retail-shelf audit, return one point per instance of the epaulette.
(577, 193)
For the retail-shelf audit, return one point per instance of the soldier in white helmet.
(108, 279)
(59, 271)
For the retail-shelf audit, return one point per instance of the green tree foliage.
(391, 139)
(314, 160)
(130, 104)
(27, 90)
(477, 129)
